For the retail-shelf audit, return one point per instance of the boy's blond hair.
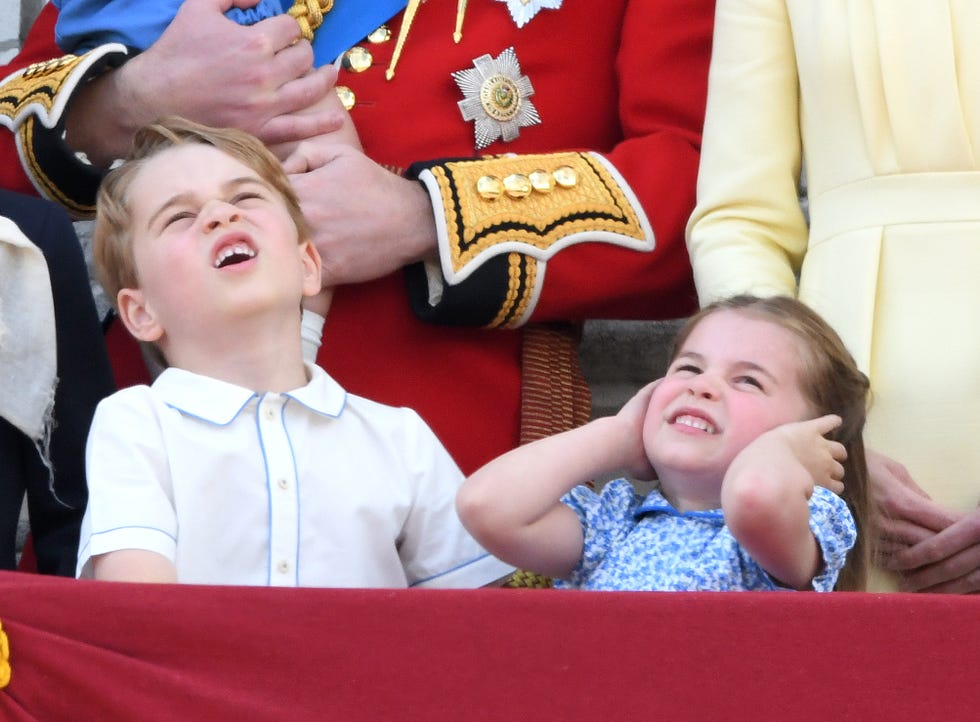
(112, 238)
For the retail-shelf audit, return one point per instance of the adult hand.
(307, 154)
(945, 562)
(367, 221)
(211, 70)
(904, 515)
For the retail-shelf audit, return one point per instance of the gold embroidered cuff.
(32, 105)
(530, 204)
(527, 208)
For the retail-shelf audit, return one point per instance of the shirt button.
(283, 566)
(270, 414)
(283, 484)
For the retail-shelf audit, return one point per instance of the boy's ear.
(312, 268)
(137, 315)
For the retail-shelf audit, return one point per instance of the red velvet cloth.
(89, 650)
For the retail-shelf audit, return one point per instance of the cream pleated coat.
(882, 99)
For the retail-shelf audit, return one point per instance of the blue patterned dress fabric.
(634, 543)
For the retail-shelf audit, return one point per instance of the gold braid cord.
(523, 579)
(309, 14)
(530, 207)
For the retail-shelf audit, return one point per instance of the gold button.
(541, 181)
(381, 35)
(283, 484)
(517, 185)
(357, 59)
(565, 176)
(489, 187)
(346, 96)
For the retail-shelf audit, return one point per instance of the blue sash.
(348, 22)
(85, 24)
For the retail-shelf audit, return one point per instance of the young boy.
(241, 464)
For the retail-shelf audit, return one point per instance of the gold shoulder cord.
(309, 14)
(410, 10)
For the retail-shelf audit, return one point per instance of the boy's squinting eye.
(177, 217)
(246, 196)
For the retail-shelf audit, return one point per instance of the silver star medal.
(523, 10)
(497, 97)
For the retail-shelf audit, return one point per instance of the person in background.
(53, 371)
(511, 184)
(882, 101)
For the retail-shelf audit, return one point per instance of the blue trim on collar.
(655, 503)
(219, 402)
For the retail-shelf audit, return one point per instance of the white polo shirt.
(313, 487)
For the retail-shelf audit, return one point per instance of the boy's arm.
(765, 496)
(129, 530)
(512, 505)
(134, 565)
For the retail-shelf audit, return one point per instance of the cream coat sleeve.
(747, 232)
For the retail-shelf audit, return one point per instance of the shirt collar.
(655, 503)
(219, 402)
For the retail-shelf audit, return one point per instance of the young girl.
(755, 426)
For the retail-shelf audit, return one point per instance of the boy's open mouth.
(233, 253)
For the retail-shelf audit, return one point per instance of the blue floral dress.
(643, 543)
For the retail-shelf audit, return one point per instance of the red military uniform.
(624, 79)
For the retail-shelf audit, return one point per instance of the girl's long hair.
(831, 381)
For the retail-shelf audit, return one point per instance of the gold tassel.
(460, 12)
(413, 6)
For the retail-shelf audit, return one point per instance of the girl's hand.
(766, 490)
(632, 416)
(798, 453)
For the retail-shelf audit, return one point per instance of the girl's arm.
(512, 505)
(134, 565)
(765, 496)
